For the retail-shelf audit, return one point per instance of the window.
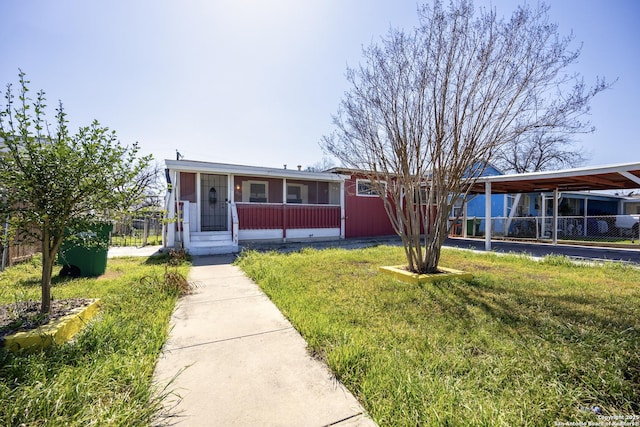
(297, 193)
(258, 192)
(255, 191)
(457, 208)
(366, 188)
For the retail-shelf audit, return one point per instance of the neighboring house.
(529, 215)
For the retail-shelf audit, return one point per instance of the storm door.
(213, 202)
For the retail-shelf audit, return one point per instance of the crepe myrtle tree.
(54, 180)
(428, 109)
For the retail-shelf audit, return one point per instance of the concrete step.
(211, 236)
(220, 249)
(212, 243)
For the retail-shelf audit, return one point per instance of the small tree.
(53, 181)
(429, 109)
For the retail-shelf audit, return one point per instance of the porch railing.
(266, 216)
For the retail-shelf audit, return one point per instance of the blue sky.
(256, 82)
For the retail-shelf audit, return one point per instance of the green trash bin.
(473, 224)
(85, 255)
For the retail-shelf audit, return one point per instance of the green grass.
(104, 376)
(616, 240)
(524, 343)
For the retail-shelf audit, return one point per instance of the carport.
(624, 176)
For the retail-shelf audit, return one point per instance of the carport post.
(487, 216)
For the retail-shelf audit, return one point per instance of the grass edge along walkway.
(523, 343)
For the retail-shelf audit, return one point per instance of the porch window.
(367, 189)
(334, 193)
(297, 193)
(255, 191)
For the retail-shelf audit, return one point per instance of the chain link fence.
(137, 229)
(612, 229)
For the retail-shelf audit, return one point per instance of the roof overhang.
(612, 177)
(254, 171)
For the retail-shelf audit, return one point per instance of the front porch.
(213, 207)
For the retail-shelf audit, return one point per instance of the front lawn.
(104, 376)
(523, 343)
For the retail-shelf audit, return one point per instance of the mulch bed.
(25, 315)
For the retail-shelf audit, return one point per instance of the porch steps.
(212, 243)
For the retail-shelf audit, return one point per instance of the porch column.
(179, 214)
(342, 211)
(170, 240)
(198, 225)
(543, 225)
(284, 209)
(464, 217)
(487, 216)
(555, 217)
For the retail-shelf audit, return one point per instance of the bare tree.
(429, 109)
(539, 151)
(321, 166)
(150, 186)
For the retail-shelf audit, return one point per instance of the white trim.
(198, 227)
(630, 177)
(565, 173)
(272, 234)
(312, 233)
(222, 168)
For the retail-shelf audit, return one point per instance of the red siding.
(365, 216)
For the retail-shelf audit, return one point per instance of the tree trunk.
(47, 270)
(50, 246)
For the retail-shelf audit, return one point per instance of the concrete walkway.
(236, 361)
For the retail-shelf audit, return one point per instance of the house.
(215, 206)
(212, 207)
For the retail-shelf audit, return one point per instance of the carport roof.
(612, 177)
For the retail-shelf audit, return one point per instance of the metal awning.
(612, 177)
